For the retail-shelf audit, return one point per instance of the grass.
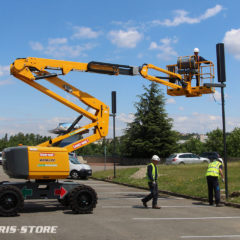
(183, 179)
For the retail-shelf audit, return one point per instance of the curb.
(236, 205)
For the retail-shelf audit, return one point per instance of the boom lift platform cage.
(191, 70)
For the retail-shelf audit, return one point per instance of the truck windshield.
(74, 160)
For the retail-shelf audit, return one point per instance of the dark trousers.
(153, 195)
(213, 185)
(197, 80)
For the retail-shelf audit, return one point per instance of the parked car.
(210, 155)
(77, 169)
(1, 158)
(185, 158)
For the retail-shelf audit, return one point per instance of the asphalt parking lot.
(120, 215)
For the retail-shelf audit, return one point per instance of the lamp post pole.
(224, 142)
(114, 110)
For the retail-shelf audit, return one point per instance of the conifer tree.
(151, 130)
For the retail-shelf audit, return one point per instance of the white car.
(185, 158)
(77, 169)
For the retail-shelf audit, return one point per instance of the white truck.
(77, 169)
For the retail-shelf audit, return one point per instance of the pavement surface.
(120, 215)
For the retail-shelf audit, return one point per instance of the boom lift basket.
(191, 70)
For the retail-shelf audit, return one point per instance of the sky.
(127, 32)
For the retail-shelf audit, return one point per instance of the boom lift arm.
(31, 70)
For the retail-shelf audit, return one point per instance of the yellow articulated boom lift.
(44, 164)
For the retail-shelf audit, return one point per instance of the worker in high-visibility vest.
(213, 174)
(152, 176)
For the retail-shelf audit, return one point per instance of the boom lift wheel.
(82, 199)
(11, 201)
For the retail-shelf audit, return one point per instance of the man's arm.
(221, 172)
(202, 59)
(149, 172)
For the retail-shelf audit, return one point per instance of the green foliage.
(30, 139)
(151, 131)
(233, 143)
(99, 149)
(193, 145)
(214, 142)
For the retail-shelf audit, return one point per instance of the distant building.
(203, 138)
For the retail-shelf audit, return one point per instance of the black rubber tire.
(205, 162)
(181, 163)
(11, 201)
(82, 199)
(74, 174)
(64, 201)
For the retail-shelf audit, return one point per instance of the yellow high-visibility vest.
(153, 172)
(213, 169)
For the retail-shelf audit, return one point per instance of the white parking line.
(100, 184)
(161, 206)
(101, 197)
(197, 218)
(217, 236)
(125, 192)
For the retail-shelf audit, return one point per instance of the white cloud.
(217, 95)
(37, 46)
(59, 47)
(181, 108)
(166, 51)
(4, 76)
(170, 101)
(13, 126)
(202, 123)
(125, 39)
(182, 17)
(126, 118)
(4, 70)
(232, 42)
(84, 32)
(56, 41)
(6, 82)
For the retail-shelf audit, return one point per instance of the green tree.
(193, 145)
(214, 142)
(151, 131)
(233, 143)
(27, 139)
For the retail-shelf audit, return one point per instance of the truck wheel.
(64, 201)
(74, 174)
(82, 199)
(11, 201)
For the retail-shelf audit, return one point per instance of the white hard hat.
(220, 160)
(196, 50)
(156, 158)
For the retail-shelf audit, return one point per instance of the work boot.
(219, 205)
(156, 207)
(144, 204)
